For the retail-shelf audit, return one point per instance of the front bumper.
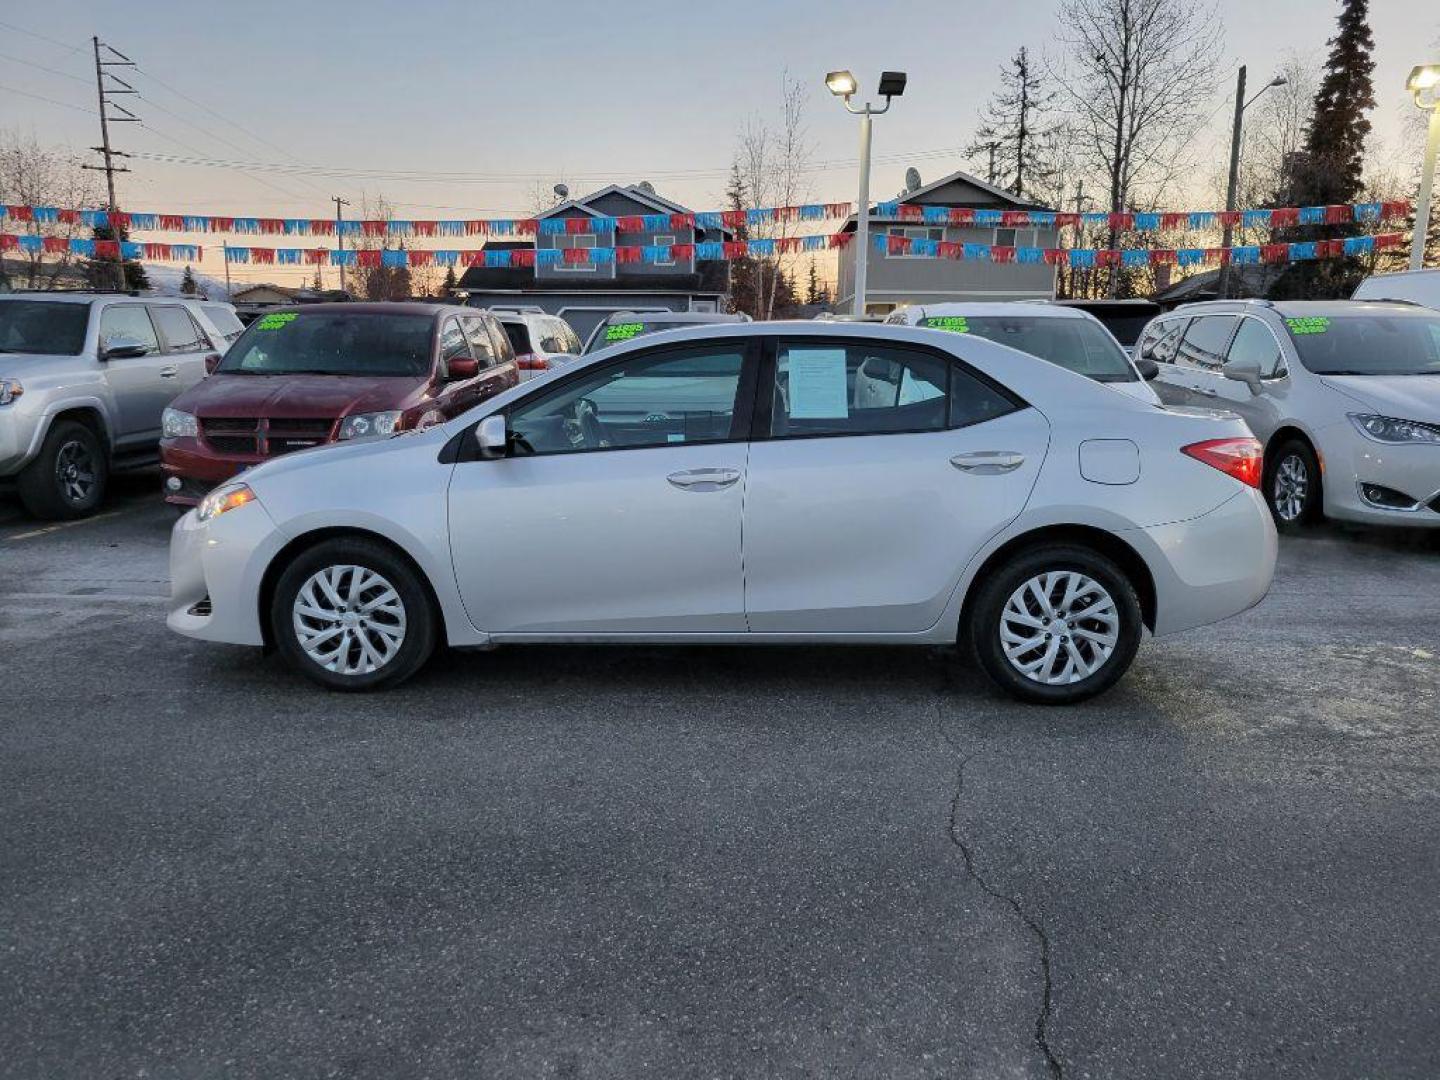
(216, 568)
(1352, 460)
(1214, 566)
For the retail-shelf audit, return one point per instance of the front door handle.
(1207, 391)
(169, 372)
(704, 479)
(988, 462)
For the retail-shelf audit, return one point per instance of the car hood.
(296, 396)
(1405, 397)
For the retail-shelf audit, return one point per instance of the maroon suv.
(302, 376)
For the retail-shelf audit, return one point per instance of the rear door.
(137, 387)
(1200, 356)
(186, 346)
(1159, 342)
(877, 471)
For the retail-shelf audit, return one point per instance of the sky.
(502, 97)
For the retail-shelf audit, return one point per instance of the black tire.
(1279, 486)
(67, 480)
(419, 615)
(983, 626)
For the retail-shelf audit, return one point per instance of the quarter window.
(127, 322)
(670, 398)
(1204, 343)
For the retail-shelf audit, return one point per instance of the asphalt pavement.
(644, 862)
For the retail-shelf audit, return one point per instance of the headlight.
(223, 499)
(1387, 429)
(10, 389)
(371, 423)
(175, 424)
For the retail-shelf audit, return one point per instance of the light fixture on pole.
(1230, 188)
(1424, 87)
(843, 85)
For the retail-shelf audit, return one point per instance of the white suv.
(540, 341)
(84, 378)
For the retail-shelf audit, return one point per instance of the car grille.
(264, 436)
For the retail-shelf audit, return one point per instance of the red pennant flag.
(736, 249)
(107, 249)
(1001, 254)
(631, 254)
(1389, 240)
(1162, 257)
(9, 242)
(1108, 256)
(577, 225)
(1174, 221)
(472, 258)
(222, 224)
(1121, 222)
(369, 258)
(682, 251)
(267, 255)
(171, 223)
(1012, 218)
(527, 227)
(1280, 217)
(322, 227)
(1056, 256)
(317, 256)
(425, 228)
(56, 244)
(1338, 215)
(1274, 253)
(576, 256)
(682, 221)
(271, 226)
(960, 215)
(524, 256)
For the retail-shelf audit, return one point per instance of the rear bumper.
(1214, 566)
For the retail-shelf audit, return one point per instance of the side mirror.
(1147, 368)
(462, 367)
(211, 363)
(1246, 371)
(491, 437)
(123, 349)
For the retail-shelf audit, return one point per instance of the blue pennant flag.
(1147, 222)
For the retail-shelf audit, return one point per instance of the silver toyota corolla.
(1345, 396)
(767, 482)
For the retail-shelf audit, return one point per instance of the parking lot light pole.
(1424, 86)
(843, 85)
(1230, 187)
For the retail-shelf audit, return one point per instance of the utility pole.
(339, 236)
(105, 149)
(1230, 185)
(225, 255)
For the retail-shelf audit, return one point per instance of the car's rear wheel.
(67, 478)
(352, 614)
(1292, 485)
(1055, 625)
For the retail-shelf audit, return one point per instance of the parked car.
(84, 379)
(304, 376)
(626, 325)
(764, 482)
(540, 341)
(1344, 395)
(222, 316)
(1125, 319)
(1066, 336)
(1417, 286)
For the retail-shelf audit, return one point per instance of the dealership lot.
(641, 861)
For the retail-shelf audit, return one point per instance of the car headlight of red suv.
(362, 425)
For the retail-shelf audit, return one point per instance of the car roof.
(1300, 309)
(1013, 309)
(378, 308)
(678, 317)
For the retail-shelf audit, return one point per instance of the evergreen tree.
(812, 285)
(450, 282)
(188, 287)
(1328, 169)
(100, 273)
(745, 276)
(317, 282)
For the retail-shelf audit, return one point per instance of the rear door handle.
(169, 372)
(1207, 391)
(704, 479)
(988, 462)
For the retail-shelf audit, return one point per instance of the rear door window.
(1203, 345)
(180, 331)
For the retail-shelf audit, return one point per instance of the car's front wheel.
(1293, 485)
(352, 614)
(67, 478)
(1055, 625)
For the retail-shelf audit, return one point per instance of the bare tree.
(35, 175)
(1136, 74)
(542, 196)
(774, 168)
(379, 282)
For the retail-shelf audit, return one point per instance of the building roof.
(960, 176)
(656, 202)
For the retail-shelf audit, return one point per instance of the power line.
(48, 101)
(42, 37)
(42, 67)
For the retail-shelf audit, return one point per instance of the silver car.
(766, 482)
(84, 378)
(1345, 396)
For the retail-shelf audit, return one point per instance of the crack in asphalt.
(967, 855)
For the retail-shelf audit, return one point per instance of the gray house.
(897, 280)
(584, 294)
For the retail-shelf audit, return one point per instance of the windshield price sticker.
(956, 324)
(277, 320)
(624, 331)
(1311, 324)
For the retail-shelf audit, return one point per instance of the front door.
(1255, 341)
(886, 468)
(139, 391)
(618, 508)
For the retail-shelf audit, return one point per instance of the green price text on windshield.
(1311, 324)
(277, 320)
(956, 324)
(623, 331)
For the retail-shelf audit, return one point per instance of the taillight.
(1244, 459)
(532, 362)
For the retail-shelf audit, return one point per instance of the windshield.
(1072, 343)
(332, 343)
(1401, 344)
(55, 327)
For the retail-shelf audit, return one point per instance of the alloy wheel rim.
(1059, 627)
(1292, 484)
(75, 471)
(349, 619)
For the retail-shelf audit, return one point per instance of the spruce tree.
(745, 279)
(188, 287)
(100, 273)
(450, 282)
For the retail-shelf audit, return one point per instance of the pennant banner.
(1279, 217)
(1135, 257)
(35, 244)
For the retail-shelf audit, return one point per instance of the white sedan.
(766, 483)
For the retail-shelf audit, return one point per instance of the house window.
(665, 241)
(915, 233)
(575, 240)
(1014, 238)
